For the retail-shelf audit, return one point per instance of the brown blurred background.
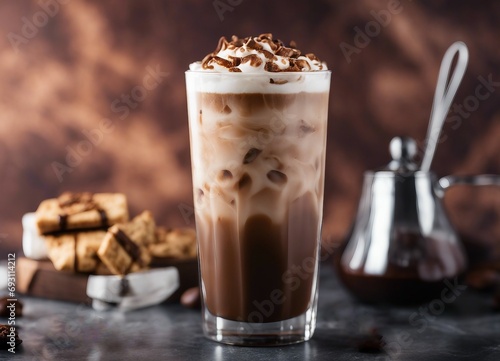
(67, 66)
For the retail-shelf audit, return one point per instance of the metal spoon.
(443, 97)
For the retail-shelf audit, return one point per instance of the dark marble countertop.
(466, 329)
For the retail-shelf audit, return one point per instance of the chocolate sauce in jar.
(415, 272)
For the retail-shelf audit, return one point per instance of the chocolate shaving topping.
(235, 60)
(236, 42)
(206, 62)
(270, 66)
(293, 65)
(273, 45)
(302, 64)
(311, 56)
(222, 44)
(222, 62)
(264, 48)
(287, 52)
(253, 59)
(268, 55)
(252, 44)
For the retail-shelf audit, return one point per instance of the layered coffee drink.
(258, 120)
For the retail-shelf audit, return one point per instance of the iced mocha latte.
(258, 119)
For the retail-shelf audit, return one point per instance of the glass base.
(293, 330)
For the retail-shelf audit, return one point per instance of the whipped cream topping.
(257, 54)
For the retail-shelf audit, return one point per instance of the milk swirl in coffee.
(258, 123)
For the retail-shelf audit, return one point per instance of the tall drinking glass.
(258, 162)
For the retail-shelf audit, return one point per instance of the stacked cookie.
(92, 233)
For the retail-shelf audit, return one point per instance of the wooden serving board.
(40, 279)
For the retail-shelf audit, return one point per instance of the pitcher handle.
(472, 180)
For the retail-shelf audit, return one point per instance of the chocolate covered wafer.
(61, 251)
(87, 245)
(124, 248)
(81, 211)
(75, 251)
(175, 243)
(141, 229)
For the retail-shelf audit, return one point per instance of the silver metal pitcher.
(403, 246)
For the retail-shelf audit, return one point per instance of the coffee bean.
(373, 342)
(191, 298)
(5, 311)
(5, 331)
